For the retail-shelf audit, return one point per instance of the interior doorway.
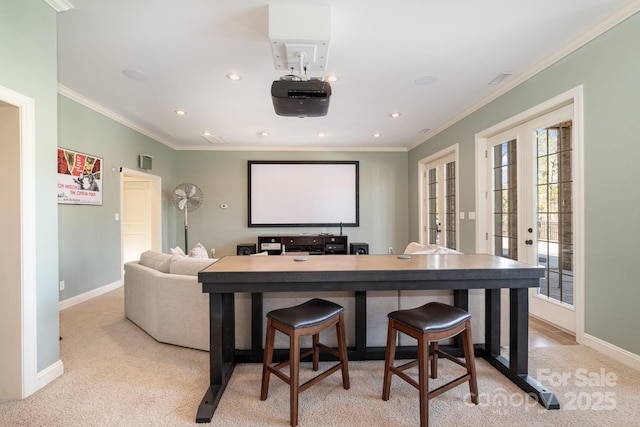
(141, 207)
(18, 317)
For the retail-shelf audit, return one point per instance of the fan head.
(187, 196)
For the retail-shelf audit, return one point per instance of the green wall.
(89, 236)
(609, 70)
(222, 176)
(28, 66)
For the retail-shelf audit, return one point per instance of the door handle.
(529, 242)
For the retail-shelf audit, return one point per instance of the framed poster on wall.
(79, 178)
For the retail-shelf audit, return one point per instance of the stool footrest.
(452, 358)
(319, 377)
(404, 376)
(448, 386)
(329, 350)
(276, 371)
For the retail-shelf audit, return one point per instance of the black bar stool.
(429, 324)
(309, 318)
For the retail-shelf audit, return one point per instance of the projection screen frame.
(303, 193)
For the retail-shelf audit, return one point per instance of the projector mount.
(302, 71)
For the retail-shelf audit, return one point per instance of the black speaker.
(359, 248)
(246, 249)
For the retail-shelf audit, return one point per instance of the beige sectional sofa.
(164, 298)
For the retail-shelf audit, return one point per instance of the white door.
(439, 202)
(136, 219)
(141, 207)
(531, 202)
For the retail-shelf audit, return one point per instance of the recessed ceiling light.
(234, 76)
(264, 133)
(180, 112)
(376, 135)
(135, 74)
(395, 115)
(322, 134)
(332, 78)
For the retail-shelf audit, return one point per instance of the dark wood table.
(359, 274)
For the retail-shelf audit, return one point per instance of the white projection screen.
(303, 193)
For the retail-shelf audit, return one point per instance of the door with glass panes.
(532, 207)
(439, 222)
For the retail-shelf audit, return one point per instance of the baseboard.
(49, 374)
(621, 355)
(70, 302)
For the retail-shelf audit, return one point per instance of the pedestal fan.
(187, 197)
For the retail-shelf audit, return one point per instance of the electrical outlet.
(390, 250)
(62, 285)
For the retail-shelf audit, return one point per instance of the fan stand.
(186, 231)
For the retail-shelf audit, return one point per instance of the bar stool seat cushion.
(310, 313)
(431, 317)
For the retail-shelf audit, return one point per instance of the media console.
(317, 244)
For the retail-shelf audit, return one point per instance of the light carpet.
(117, 375)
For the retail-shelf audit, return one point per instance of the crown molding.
(291, 148)
(60, 5)
(614, 19)
(75, 96)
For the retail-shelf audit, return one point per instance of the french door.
(532, 212)
(439, 205)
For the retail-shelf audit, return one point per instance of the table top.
(366, 272)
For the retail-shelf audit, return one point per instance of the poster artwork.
(79, 178)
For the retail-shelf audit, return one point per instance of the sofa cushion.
(156, 260)
(417, 248)
(189, 266)
(177, 251)
(198, 251)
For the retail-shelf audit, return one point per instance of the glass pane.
(553, 166)
(505, 200)
(555, 211)
(564, 137)
(552, 140)
(432, 206)
(553, 198)
(543, 173)
(543, 228)
(543, 201)
(566, 172)
(541, 139)
(450, 206)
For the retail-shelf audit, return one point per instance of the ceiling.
(429, 60)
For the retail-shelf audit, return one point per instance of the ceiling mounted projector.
(299, 37)
(300, 98)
